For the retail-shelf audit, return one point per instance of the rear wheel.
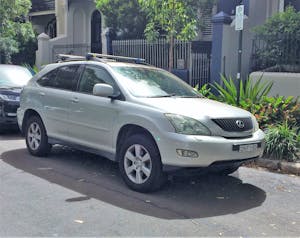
(140, 164)
(36, 137)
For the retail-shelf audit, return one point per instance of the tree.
(125, 17)
(13, 27)
(176, 19)
(281, 37)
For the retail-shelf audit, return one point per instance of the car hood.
(195, 107)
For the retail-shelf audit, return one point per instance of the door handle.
(42, 93)
(75, 100)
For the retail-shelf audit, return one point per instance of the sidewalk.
(278, 165)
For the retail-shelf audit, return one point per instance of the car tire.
(140, 164)
(36, 137)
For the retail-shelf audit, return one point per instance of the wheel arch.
(29, 113)
(129, 130)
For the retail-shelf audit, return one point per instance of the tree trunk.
(171, 53)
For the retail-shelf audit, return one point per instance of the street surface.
(72, 193)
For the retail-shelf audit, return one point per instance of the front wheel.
(36, 137)
(140, 164)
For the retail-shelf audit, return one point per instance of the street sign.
(239, 17)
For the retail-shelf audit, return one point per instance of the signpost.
(239, 26)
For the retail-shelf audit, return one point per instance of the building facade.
(226, 39)
(67, 26)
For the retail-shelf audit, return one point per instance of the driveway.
(72, 193)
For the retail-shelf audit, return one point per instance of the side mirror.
(103, 90)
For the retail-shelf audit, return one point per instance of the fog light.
(187, 153)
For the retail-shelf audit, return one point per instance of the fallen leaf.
(79, 221)
(281, 188)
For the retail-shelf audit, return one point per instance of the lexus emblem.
(240, 124)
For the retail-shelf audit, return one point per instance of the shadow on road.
(181, 198)
(10, 134)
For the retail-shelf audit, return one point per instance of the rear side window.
(63, 78)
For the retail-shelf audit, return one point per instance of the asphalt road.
(71, 193)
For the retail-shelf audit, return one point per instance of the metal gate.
(194, 56)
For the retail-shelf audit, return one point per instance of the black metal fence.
(276, 53)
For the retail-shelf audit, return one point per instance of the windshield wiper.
(195, 96)
(163, 96)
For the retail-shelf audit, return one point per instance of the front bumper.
(210, 149)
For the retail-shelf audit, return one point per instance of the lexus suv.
(144, 118)
(12, 79)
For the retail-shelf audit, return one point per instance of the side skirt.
(105, 154)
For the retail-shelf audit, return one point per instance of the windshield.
(150, 82)
(14, 76)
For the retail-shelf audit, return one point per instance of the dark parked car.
(12, 80)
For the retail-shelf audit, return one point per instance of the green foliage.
(26, 52)
(13, 26)
(175, 19)
(275, 110)
(125, 17)
(281, 37)
(205, 90)
(249, 91)
(282, 142)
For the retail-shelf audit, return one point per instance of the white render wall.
(259, 11)
(284, 84)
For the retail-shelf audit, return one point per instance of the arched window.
(51, 28)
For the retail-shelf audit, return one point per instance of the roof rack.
(99, 57)
(66, 58)
(91, 56)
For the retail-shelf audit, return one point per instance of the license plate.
(10, 114)
(247, 148)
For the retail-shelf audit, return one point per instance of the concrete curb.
(277, 165)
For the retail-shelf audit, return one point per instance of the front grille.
(231, 124)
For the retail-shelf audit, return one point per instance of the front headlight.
(187, 126)
(255, 123)
(4, 97)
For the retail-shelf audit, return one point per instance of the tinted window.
(62, 78)
(92, 76)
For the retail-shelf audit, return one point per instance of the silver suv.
(145, 118)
